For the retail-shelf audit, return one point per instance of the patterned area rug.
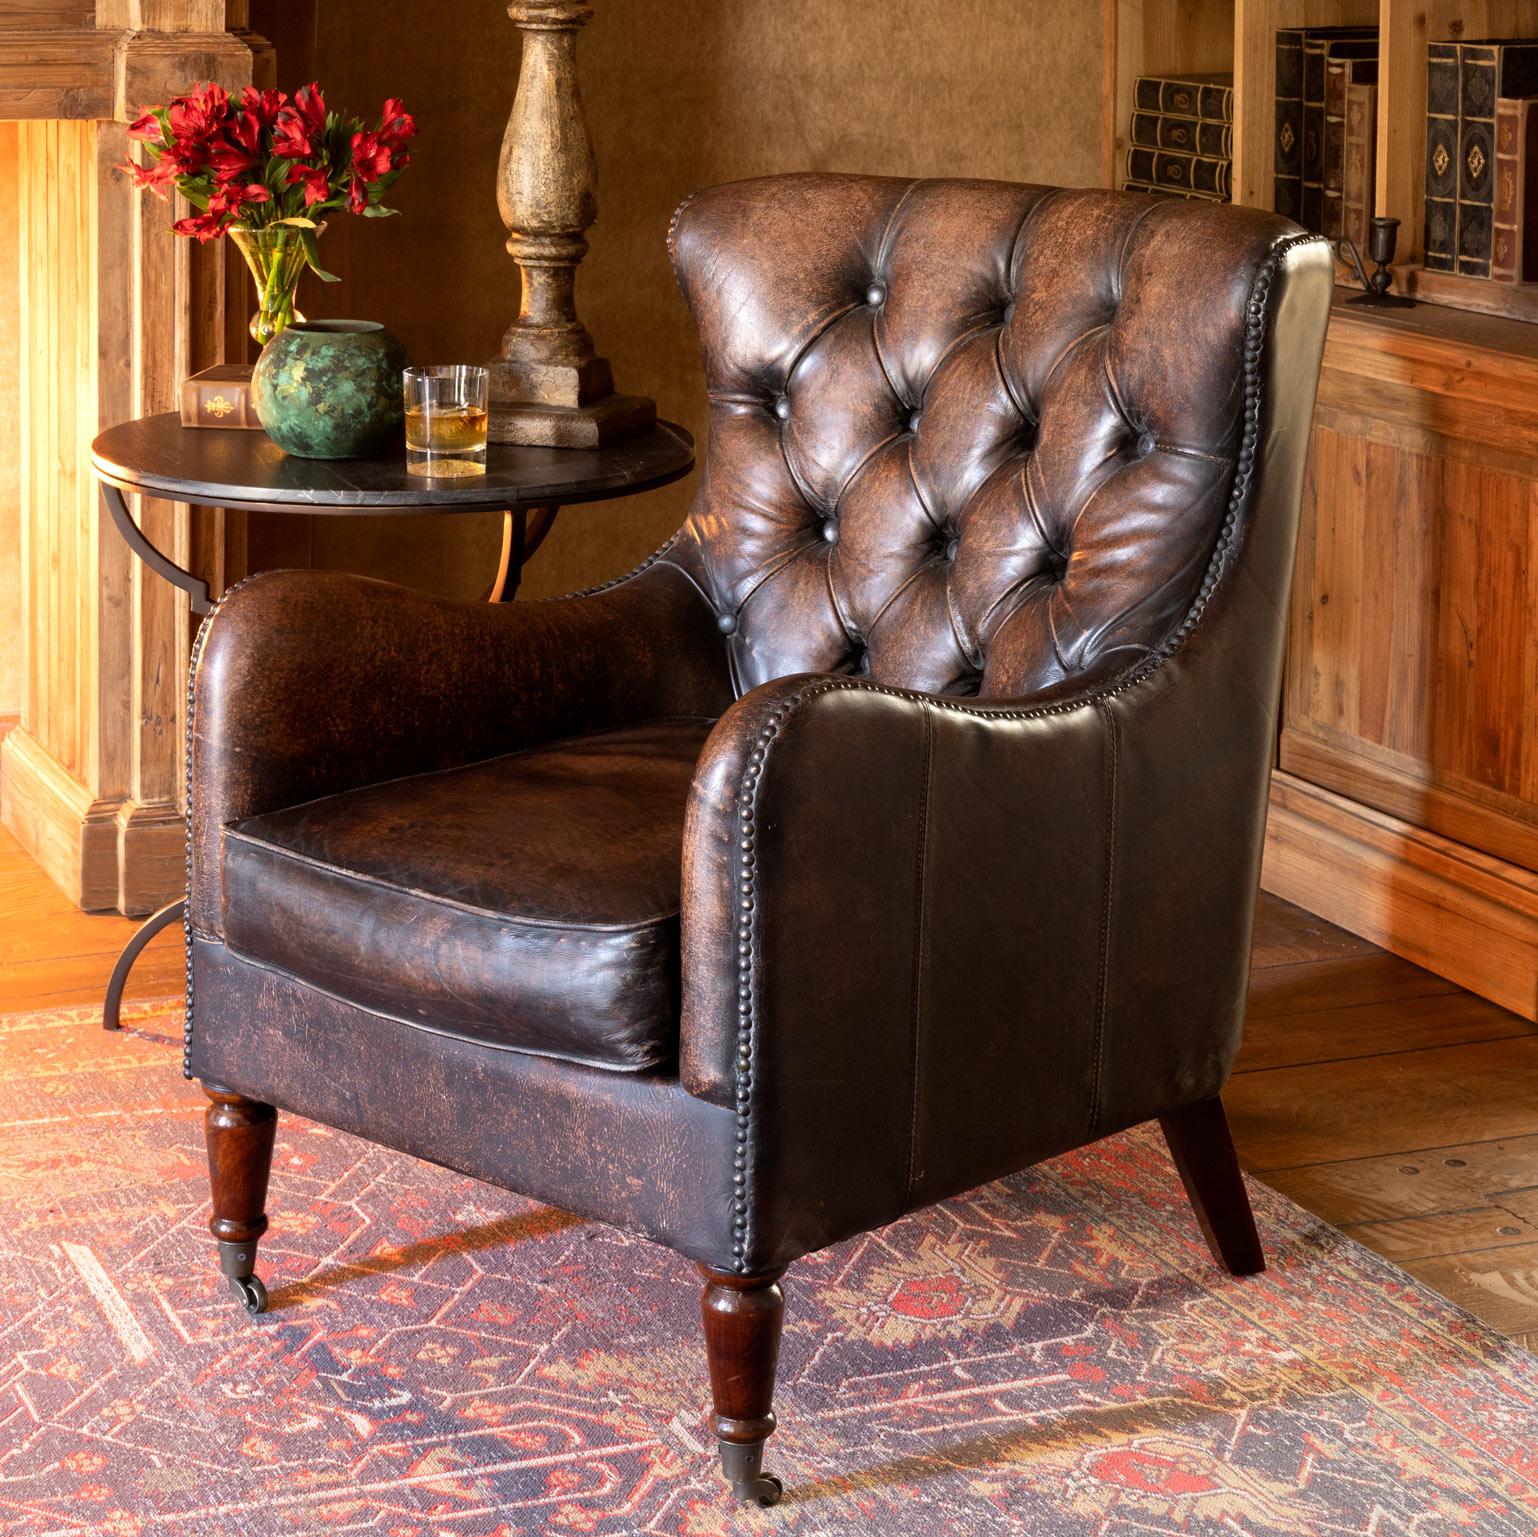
(1053, 1355)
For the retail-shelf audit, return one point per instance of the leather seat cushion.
(529, 902)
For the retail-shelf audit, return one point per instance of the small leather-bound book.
(1514, 233)
(1340, 75)
(1208, 97)
(1186, 135)
(1302, 56)
(1175, 172)
(1441, 234)
(1359, 156)
(219, 397)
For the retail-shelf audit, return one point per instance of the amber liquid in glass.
(446, 440)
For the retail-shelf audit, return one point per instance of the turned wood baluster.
(548, 384)
(743, 1316)
(239, 1133)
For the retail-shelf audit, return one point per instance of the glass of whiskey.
(446, 420)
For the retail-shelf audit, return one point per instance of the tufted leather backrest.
(966, 437)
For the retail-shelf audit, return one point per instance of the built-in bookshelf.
(1200, 36)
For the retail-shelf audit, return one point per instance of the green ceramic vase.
(331, 389)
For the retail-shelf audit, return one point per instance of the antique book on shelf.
(1359, 163)
(219, 397)
(1463, 81)
(1340, 76)
(1181, 192)
(1187, 135)
(1192, 173)
(1300, 85)
(1208, 97)
(1514, 227)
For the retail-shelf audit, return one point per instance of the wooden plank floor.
(1396, 1106)
(1375, 1094)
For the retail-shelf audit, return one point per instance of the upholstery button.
(875, 295)
(830, 531)
(951, 546)
(727, 624)
(782, 407)
(1146, 444)
(914, 420)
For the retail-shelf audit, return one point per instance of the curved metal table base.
(112, 1008)
(522, 533)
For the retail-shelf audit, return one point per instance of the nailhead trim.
(192, 675)
(752, 776)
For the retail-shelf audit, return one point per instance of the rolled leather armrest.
(305, 684)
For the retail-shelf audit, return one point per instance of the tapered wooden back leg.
(240, 1134)
(743, 1316)
(1203, 1150)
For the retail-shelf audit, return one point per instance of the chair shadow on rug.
(485, 1235)
(894, 828)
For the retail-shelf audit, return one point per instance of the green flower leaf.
(312, 257)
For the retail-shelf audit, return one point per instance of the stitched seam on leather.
(1102, 987)
(439, 1030)
(501, 919)
(916, 1049)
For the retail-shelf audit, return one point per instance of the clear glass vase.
(275, 255)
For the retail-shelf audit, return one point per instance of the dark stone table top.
(230, 467)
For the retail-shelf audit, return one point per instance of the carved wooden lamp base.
(549, 387)
(594, 425)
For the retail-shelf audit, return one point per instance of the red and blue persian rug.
(1054, 1355)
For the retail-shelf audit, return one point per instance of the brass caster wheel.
(251, 1292)
(766, 1490)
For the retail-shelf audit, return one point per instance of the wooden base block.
(104, 856)
(603, 422)
(1456, 911)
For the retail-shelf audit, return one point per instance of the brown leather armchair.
(896, 826)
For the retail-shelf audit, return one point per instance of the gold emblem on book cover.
(1439, 159)
(219, 406)
(1289, 138)
(1476, 162)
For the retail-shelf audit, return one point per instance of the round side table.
(222, 467)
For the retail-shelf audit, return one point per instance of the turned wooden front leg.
(743, 1316)
(240, 1134)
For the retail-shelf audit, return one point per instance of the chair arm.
(930, 941)
(305, 684)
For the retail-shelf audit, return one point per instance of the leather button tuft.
(875, 296)
(782, 407)
(830, 531)
(727, 624)
(1146, 444)
(914, 420)
(952, 545)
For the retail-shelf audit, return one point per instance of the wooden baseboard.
(104, 855)
(1460, 913)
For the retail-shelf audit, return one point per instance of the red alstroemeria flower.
(197, 117)
(396, 124)
(370, 158)
(316, 179)
(300, 128)
(264, 106)
(147, 127)
(157, 178)
(201, 227)
(238, 151)
(357, 196)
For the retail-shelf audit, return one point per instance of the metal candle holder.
(1382, 239)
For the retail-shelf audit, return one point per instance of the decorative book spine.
(1288, 196)
(1210, 101)
(1514, 236)
(1441, 233)
(1186, 135)
(1191, 173)
(1476, 158)
(1334, 147)
(1360, 162)
(1311, 214)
